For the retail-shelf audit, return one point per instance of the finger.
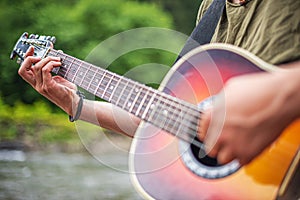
(244, 157)
(204, 124)
(212, 151)
(46, 72)
(38, 66)
(37, 69)
(243, 161)
(225, 156)
(25, 70)
(212, 142)
(29, 52)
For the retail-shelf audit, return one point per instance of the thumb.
(205, 120)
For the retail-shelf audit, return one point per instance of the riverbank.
(38, 128)
(54, 175)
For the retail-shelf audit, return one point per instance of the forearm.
(290, 81)
(108, 116)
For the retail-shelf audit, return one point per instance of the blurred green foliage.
(34, 125)
(78, 25)
(184, 13)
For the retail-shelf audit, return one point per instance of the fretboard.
(162, 110)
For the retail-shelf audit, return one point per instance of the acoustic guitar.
(167, 161)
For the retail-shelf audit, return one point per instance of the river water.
(47, 176)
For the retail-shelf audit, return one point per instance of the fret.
(83, 75)
(79, 76)
(113, 87)
(138, 91)
(88, 76)
(89, 87)
(128, 102)
(164, 113)
(141, 103)
(105, 82)
(120, 89)
(153, 106)
(185, 127)
(71, 72)
(124, 94)
(68, 68)
(65, 65)
(137, 103)
(99, 83)
(176, 117)
(127, 93)
(55, 70)
(189, 123)
(161, 113)
(173, 118)
(148, 106)
(75, 74)
(62, 67)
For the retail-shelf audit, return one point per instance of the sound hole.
(199, 163)
(202, 157)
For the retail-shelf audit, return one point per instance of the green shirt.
(269, 29)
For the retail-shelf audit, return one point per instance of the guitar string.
(191, 106)
(166, 107)
(175, 118)
(193, 129)
(190, 133)
(197, 112)
(176, 100)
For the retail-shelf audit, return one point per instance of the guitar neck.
(162, 110)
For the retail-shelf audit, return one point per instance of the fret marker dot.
(165, 112)
(111, 87)
(129, 104)
(96, 80)
(136, 90)
(152, 106)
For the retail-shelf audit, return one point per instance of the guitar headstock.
(40, 43)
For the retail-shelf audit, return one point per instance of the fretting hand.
(37, 72)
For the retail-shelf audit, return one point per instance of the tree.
(79, 25)
(184, 13)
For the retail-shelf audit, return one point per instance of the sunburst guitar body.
(165, 167)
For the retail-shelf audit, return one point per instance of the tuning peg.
(53, 39)
(32, 36)
(12, 55)
(24, 35)
(19, 60)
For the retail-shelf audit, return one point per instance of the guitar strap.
(205, 29)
